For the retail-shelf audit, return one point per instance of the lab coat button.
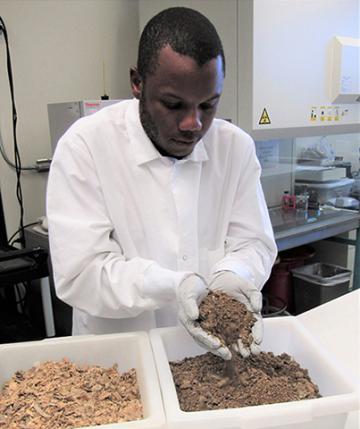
(184, 257)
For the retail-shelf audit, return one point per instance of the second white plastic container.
(282, 334)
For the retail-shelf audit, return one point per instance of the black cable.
(2, 148)
(18, 230)
(9, 162)
(16, 149)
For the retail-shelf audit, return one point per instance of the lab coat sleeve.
(90, 270)
(250, 248)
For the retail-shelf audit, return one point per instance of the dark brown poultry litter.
(202, 382)
(62, 395)
(226, 318)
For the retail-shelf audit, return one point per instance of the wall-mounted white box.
(345, 70)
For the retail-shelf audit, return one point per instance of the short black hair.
(186, 31)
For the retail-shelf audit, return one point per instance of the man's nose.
(191, 121)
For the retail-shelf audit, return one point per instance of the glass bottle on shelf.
(288, 201)
(302, 200)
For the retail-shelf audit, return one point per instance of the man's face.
(178, 102)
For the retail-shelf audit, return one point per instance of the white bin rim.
(309, 274)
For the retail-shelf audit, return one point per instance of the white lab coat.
(126, 224)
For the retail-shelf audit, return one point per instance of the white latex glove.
(191, 291)
(245, 292)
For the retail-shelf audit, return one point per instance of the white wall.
(57, 50)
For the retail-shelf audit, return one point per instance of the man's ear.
(136, 83)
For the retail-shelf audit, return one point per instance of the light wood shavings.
(62, 395)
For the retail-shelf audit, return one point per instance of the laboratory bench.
(294, 228)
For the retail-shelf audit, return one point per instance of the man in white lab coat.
(152, 202)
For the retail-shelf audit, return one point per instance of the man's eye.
(171, 106)
(208, 106)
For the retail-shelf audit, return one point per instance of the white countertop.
(336, 325)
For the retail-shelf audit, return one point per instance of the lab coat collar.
(143, 149)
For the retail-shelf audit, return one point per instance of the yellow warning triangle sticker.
(265, 119)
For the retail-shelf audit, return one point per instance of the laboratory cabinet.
(296, 49)
(291, 65)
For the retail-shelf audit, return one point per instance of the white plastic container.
(282, 334)
(316, 173)
(127, 350)
(327, 190)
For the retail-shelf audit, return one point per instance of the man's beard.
(147, 122)
(152, 130)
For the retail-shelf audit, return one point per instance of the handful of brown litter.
(54, 395)
(226, 318)
(202, 382)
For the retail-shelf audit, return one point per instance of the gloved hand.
(245, 292)
(191, 291)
